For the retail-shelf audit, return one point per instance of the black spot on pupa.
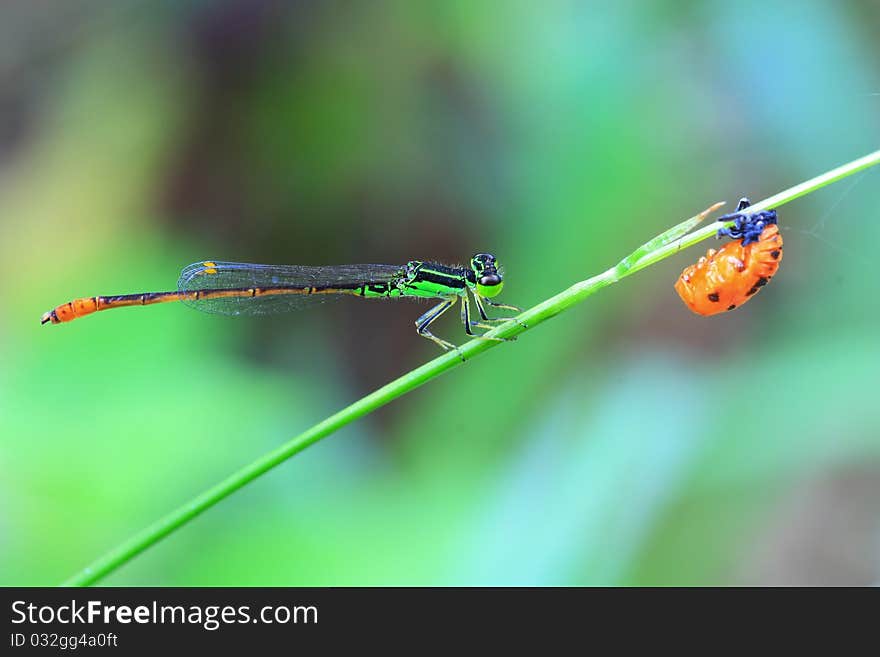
(775, 254)
(762, 281)
(731, 306)
(714, 297)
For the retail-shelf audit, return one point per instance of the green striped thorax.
(435, 281)
(485, 274)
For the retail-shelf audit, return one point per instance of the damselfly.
(234, 288)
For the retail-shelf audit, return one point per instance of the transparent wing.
(239, 288)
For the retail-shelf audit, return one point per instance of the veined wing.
(239, 288)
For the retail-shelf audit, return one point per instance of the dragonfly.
(237, 288)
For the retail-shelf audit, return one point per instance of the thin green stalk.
(662, 246)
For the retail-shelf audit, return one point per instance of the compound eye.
(489, 280)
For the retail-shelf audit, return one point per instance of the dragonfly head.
(486, 275)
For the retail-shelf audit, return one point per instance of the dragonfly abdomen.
(87, 305)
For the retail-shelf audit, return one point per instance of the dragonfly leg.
(466, 319)
(466, 315)
(502, 305)
(423, 322)
(478, 300)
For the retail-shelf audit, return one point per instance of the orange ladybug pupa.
(725, 279)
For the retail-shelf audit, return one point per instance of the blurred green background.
(625, 442)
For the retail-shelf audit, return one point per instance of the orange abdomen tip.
(70, 311)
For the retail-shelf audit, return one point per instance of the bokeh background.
(625, 442)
